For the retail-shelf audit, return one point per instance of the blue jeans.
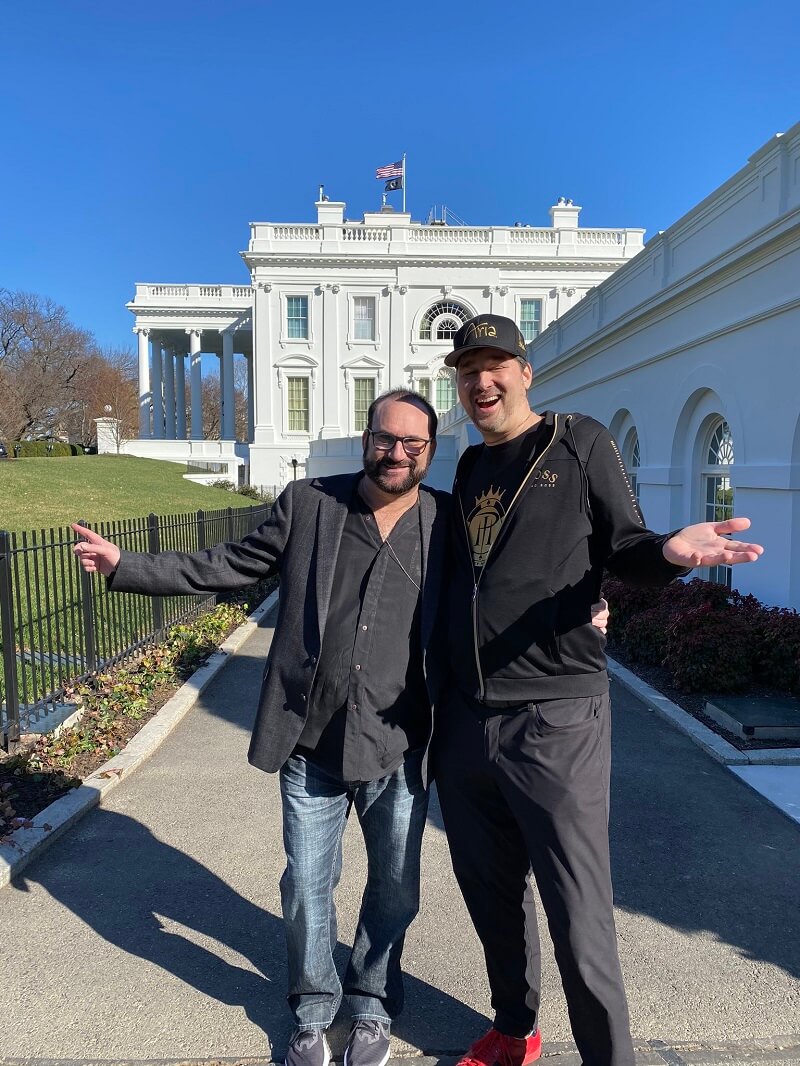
(391, 812)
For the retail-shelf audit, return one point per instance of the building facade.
(691, 355)
(337, 312)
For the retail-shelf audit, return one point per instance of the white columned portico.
(227, 421)
(156, 378)
(196, 384)
(169, 393)
(180, 396)
(143, 336)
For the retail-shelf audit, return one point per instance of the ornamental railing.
(58, 624)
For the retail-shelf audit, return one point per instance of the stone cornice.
(390, 263)
(229, 315)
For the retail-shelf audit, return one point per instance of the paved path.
(150, 933)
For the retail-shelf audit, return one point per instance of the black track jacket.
(519, 629)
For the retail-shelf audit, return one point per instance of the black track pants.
(528, 789)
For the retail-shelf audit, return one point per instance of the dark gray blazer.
(299, 540)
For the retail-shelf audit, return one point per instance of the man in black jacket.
(523, 739)
(345, 707)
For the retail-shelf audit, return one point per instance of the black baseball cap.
(488, 331)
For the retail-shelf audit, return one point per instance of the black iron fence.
(58, 625)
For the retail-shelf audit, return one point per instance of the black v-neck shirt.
(369, 704)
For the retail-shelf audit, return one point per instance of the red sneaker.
(497, 1049)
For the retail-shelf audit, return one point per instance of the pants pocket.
(567, 713)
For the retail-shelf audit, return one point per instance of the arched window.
(631, 455)
(442, 321)
(717, 488)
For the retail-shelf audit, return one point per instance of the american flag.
(391, 170)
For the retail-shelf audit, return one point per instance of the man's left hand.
(600, 615)
(705, 545)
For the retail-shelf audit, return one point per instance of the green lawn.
(42, 493)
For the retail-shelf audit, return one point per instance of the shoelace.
(375, 1030)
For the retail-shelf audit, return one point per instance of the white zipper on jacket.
(523, 483)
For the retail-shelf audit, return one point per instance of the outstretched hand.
(704, 545)
(95, 553)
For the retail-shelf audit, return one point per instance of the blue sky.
(141, 139)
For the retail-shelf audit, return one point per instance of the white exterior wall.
(704, 323)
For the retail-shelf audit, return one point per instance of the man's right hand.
(95, 553)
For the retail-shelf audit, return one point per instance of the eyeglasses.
(384, 442)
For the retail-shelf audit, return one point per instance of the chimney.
(564, 214)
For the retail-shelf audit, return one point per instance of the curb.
(706, 738)
(65, 811)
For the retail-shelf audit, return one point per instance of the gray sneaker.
(368, 1043)
(308, 1047)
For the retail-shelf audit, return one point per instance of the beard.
(375, 469)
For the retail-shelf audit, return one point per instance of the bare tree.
(240, 398)
(211, 406)
(41, 356)
(108, 386)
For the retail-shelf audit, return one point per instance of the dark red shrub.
(777, 658)
(710, 648)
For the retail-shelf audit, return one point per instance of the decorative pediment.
(297, 360)
(363, 362)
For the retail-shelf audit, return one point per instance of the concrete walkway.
(151, 931)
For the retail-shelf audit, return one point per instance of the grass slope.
(45, 493)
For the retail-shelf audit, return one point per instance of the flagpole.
(404, 182)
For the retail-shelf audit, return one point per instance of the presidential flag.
(391, 186)
(391, 170)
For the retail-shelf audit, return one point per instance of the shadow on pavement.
(155, 902)
(694, 848)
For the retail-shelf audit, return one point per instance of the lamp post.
(294, 468)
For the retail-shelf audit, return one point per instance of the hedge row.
(38, 449)
(712, 639)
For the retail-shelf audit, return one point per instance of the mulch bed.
(24, 794)
(29, 793)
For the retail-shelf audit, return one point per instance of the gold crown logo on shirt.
(490, 497)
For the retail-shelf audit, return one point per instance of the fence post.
(87, 610)
(231, 531)
(153, 546)
(8, 643)
(201, 530)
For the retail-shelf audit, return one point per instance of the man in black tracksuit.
(523, 742)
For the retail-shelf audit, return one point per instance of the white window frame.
(518, 301)
(360, 375)
(444, 373)
(352, 340)
(434, 325)
(285, 339)
(417, 382)
(709, 473)
(285, 373)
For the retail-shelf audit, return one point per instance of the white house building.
(337, 312)
(691, 355)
